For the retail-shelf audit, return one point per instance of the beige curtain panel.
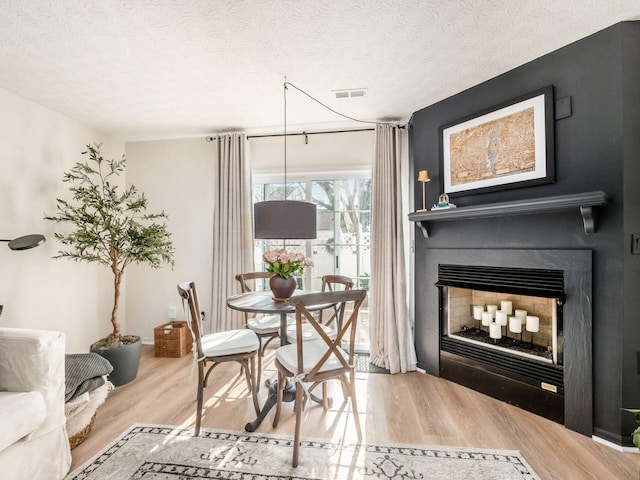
(232, 227)
(390, 326)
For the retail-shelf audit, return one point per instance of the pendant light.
(284, 219)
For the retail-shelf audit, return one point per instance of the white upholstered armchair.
(33, 438)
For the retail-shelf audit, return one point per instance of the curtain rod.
(211, 138)
(311, 133)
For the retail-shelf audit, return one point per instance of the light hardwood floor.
(413, 408)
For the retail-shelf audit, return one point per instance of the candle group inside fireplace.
(504, 321)
(495, 319)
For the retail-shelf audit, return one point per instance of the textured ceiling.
(170, 68)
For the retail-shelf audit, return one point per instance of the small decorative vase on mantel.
(282, 288)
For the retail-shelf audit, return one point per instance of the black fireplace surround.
(526, 383)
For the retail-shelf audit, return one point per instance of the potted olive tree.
(110, 226)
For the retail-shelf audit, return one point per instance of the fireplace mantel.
(584, 202)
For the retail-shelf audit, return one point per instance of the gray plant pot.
(125, 361)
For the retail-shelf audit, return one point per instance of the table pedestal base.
(288, 395)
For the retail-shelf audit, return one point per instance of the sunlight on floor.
(227, 387)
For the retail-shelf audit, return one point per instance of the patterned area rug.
(153, 452)
(363, 365)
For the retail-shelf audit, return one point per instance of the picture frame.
(510, 145)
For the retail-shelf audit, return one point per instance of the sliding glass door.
(342, 246)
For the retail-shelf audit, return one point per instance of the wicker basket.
(79, 437)
(172, 339)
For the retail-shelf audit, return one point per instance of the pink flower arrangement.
(284, 263)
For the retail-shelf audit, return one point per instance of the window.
(342, 246)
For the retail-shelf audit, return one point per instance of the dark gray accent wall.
(631, 223)
(596, 148)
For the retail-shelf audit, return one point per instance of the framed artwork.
(507, 146)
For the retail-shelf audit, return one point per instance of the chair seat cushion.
(20, 414)
(229, 343)
(309, 333)
(312, 352)
(267, 324)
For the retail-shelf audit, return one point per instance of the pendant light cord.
(211, 138)
(285, 138)
(327, 107)
(285, 85)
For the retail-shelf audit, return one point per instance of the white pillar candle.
(515, 325)
(501, 318)
(521, 314)
(495, 331)
(507, 307)
(486, 318)
(492, 309)
(533, 323)
(477, 312)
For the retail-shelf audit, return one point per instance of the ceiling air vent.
(351, 93)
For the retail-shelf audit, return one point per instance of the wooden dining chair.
(266, 327)
(333, 322)
(332, 283)
(309, 364)
(215, 348)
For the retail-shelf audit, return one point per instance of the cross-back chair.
(266, 327)
(331, 321)
(312, 363)
(332, 283)
(215, 348)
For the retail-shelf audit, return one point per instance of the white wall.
(37, 146)
(177, 177)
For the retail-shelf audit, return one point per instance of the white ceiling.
(149, 69)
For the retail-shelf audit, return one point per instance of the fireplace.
(523, 325)
(545, 368)
(511, 320)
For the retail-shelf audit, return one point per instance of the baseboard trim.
(619, 448)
